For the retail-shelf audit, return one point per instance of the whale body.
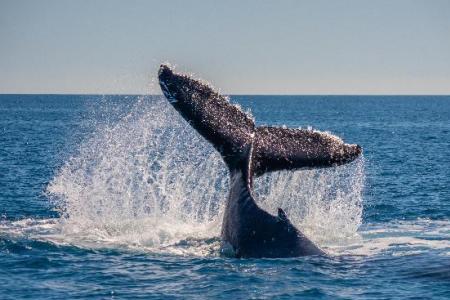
(250, 151)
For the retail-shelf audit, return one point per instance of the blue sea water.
(116, 197)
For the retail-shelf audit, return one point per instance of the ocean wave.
(397, 238)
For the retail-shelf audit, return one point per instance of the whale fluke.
(250, 151)
(229, 129)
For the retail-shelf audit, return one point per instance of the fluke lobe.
(250, 151)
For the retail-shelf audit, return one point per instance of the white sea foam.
(393, 238)
(398, 238)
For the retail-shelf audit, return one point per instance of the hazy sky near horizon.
(242, 47)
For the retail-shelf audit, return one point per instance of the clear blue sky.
(250, 47)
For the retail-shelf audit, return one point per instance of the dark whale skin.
(250, 151)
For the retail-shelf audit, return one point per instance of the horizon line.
(224, 94)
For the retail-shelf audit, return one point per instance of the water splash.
(147, 179)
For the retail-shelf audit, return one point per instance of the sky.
(241, 47)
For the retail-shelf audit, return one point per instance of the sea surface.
(116, 197)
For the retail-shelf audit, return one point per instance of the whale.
(250, 151)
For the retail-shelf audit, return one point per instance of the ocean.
(116, 197)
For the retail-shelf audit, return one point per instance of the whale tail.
(232, 132)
